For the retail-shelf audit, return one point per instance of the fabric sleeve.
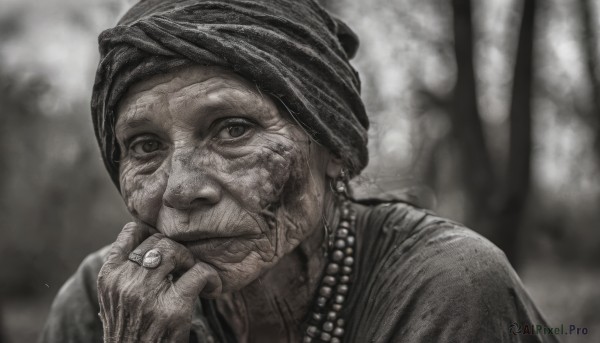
(73, 316)
(440, 282)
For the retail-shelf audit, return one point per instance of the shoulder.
(73, 315)
(400, 233)
(437, 280)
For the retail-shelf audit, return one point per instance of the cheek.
(258, 179)
(143, 192)
(283, 184)
(301, 208)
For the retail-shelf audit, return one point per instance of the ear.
(334, 166)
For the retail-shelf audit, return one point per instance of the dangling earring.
(340, 188)
(341, 185)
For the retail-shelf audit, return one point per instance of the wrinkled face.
(210, 162)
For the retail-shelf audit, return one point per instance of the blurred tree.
(470, 157)
(589, 42)
(515, 192)
(494, 202)
(476, 168)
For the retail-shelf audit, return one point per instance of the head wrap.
(292, 49)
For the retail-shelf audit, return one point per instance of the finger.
(151, 229)
(202, 279)
(130, 236)
(144, 247)
(176, 259)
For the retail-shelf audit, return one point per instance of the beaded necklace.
(324, 322)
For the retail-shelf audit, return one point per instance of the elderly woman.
(231, 129)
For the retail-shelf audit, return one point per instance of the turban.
(291, 49)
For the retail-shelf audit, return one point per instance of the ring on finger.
(136, 257)
(151, 259)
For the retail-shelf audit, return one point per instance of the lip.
(192, 237)
(215, 242)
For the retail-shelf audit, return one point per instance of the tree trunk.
(516, 192)
(467, 127)
(588, 40)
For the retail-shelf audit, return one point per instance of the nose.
(190, 186)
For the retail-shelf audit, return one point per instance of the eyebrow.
(129, 124)
(132, 123)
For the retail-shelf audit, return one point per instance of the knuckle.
(105, 272)
(129, 226)
(158, 235)
(167, 244)
(171, 308)
(115, 249)
(197, 273)
(151, 241)
(128, 230)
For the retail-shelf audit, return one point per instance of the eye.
(235, 128)
(146, 146)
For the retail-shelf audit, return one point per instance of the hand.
(138, 304)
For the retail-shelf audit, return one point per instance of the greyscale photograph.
(243, 171)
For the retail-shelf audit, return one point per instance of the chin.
(236, 276)
(238, 260)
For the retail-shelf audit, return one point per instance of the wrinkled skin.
(226, 187)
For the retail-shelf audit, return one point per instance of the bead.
(337, 255)
(329, 280)
(342, 289)
(333, 268)
(321, 301)
(335, 283)
(339, 332)
(345, 212)
(342, 233)
(350, 240)
(325, 291)
(349, 261)
(340, 187)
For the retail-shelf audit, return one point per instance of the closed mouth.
(216, 242)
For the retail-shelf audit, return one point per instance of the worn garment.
(418, 278)
(291, 49)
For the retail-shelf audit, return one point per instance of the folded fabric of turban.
(291, 49)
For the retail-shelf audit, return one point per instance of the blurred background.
(486, 111)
